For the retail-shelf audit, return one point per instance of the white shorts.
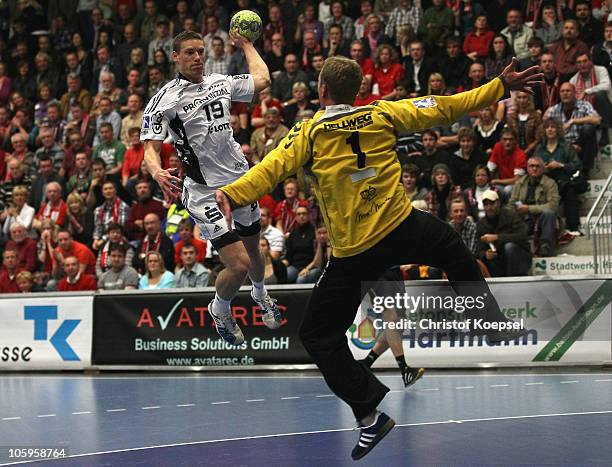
(199, 200)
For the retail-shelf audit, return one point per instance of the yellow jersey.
(350, 152)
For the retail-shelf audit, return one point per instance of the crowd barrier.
(570, 322)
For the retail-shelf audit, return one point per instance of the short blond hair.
(342, 76)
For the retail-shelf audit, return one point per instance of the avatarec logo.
(41, 315)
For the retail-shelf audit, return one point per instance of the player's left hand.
(225, 207)
(238, 40)
(524, 80)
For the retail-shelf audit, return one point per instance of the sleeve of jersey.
(292, 153)
(418, 114)
(154, 126)
(243, 87)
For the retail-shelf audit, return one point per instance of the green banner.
(577, 325)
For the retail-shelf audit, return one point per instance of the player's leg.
(246, 220)
(331, 310)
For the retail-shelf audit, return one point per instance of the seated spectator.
(162, 40)
(580, 121)
(25, 283)
(560, 163)
(155, 276)
(481, 182)
(108, 91)
(431, 156)
(418, 68)
(475, 77)
(291, 74)
(487, 130)
(94, 195)
(308, 21)
(19, 142)
(266, 138)
(338, 19)
(548, 28)
(591, 29)
(275, 271)
(499, 56)
(114, 236)
(386, 72)
(133, 118)
(275, 56)
(285, 210)
(217, 62)
(52, 150)
(81, 122)
(145, 205)
(517, 33)
(274, 237)
(443, 192)
(301, 102)
(311, 273)
(567, 49)
(535, 197)
(503, 242)
(376, 36)
(454, 65)
(54, 208)
(476, 43)
(526, 122)
(46, 174)
(75, 280)
(119, 276)
(46, 246)
(365, 96)
(192, 273)
(601, 51)
(337, 44)
(44, 98)
(436, 85)
(67, 246)
(507, 161)
(366, 63)
(409, 178)
(75, 94)
(186, 237)
(113, 209)
(535, 47)
(110, 150)
(17, 211)
(463, 225)
(266, 101)
(9, 271)
(23, 245)
(74, 145)
(80, 219)
(156, 81)
(81, 178)
(466, 158)
(300, 247)
(592, 84)
(154, 240)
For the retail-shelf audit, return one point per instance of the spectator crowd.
(78, 210)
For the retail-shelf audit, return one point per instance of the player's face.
(190, 59)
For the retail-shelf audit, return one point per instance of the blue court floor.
(466, 419)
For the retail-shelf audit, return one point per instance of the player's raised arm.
(170, 185)
(257, 67)
(412, 115)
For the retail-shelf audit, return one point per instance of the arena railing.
(599, 228)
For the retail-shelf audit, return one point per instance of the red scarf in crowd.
(581, 85)
(116, 205)
(550, 94)
(147, 247)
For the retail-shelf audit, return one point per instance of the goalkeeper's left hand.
(521, 81)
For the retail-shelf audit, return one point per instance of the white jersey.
(197, 115)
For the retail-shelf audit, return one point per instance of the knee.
(240, 264)
(510, 248)
(548, 214)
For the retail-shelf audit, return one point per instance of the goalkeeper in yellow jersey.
(350, 153)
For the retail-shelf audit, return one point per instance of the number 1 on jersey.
(353, 141)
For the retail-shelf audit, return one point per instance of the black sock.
(401, 362)
(371, 358)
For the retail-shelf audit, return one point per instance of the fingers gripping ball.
(248, 24)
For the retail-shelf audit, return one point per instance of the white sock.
(370, 419)
(259, 289)
(221, 306)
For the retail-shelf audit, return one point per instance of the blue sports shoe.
(371, 435)
(270, 315)
(227, 327)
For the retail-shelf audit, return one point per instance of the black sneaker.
(412, 375)
(370, 436)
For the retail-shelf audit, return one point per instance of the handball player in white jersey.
(195, 110)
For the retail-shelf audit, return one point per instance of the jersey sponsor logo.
(197, 102)
(218, 128)
(217, 229)
(156, 125)
(240, 77)
(355, 123)
(425, 102)
(368, 194)
(240, 166)
(146, 122)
